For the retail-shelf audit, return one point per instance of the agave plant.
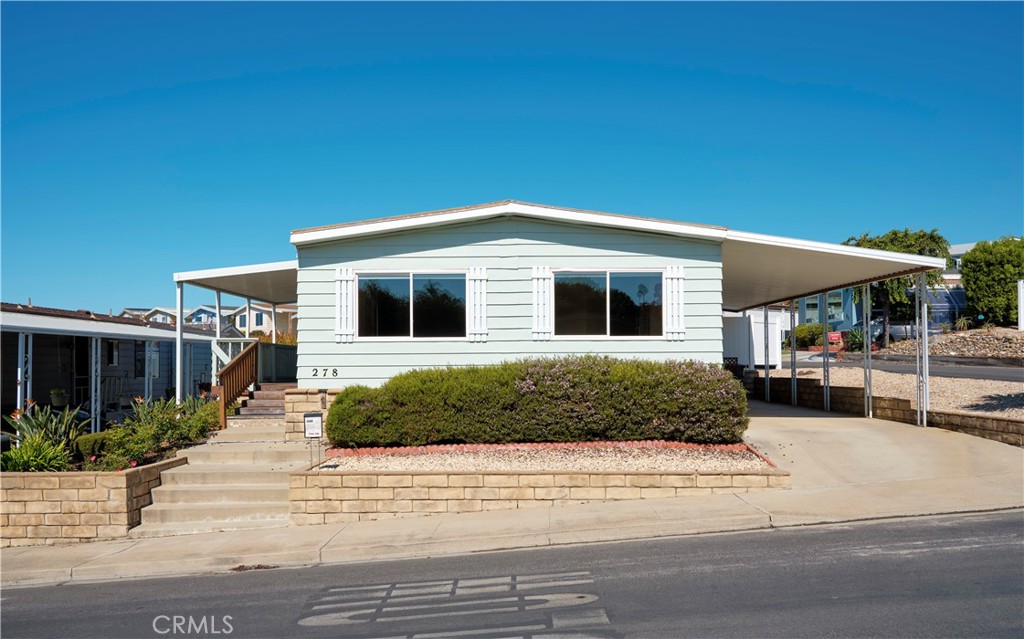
(963, 323)
(59, 428)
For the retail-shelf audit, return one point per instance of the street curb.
(426, 549)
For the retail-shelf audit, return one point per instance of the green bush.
(152, 431)
(91, 444)
(808, 335)
(854, 340)
(36, 453)
(566, 399)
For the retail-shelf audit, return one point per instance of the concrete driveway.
(846, 467)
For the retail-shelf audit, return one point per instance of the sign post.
(313, 427)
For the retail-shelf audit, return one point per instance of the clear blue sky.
(144, 139)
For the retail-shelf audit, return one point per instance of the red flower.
(134, 463)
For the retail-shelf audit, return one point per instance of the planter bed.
(390, 482)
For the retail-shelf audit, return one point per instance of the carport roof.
(757, 269)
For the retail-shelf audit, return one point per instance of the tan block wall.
(298, 402)
(50, 508)
(324, 498)
(845, 399)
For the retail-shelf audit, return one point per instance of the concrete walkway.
(843, 469)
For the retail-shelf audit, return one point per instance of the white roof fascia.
(249, 269)
(31, 323)
(303, 238)
(837, 249)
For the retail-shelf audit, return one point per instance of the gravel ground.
(989, 397)
(637, 460)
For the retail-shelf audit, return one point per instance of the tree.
(989, 273)
(891, 295)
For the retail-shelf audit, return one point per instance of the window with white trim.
(415, 305)
(609, 303)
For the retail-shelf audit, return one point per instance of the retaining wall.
(328, 497)
(847, 399)
(50, 508)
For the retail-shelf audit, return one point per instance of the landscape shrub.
(568, 399)
(91, 444)
(60, 427)
(36, 453)
(153, 430)
(808, 335)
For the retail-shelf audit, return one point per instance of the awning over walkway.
(274, 283)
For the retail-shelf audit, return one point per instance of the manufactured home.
(506, 280)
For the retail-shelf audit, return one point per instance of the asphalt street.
(946, 576)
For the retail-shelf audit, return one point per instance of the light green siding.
(508, 248)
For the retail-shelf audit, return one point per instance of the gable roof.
(318, 234)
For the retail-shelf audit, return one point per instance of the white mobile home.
(509, 279)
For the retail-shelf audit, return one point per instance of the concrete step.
(245, 418)
(255, 402)
(226, 476)
(211, 494)
(256, 433)
(277, 386)
(246, 453)
(234, 422)
(262, 411)
(214, 514)
(193, 528)
(265, 394)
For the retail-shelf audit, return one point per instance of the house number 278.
(322, 372)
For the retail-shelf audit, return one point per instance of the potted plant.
(58, 397)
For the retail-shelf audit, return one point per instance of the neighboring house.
(259, 318)
(506, 280)
(201, 317)
(100, 361)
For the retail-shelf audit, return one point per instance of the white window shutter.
(675, 328)
(345, 308)
(476, 295)
(543, 282)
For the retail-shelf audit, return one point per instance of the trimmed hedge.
(568, 399)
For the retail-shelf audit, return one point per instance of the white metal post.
(750, 340)
(217, 307)
(826, 388)
(792, 352)
(868, 341)
(20, 394)
(179, 341)
(94, 384)
(1020, 305)
(29, 366)
(925, 385)
(767, 360)
(273, 323)
(917, 347)
(248, 315)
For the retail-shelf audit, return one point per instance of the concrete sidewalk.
(843, 469)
